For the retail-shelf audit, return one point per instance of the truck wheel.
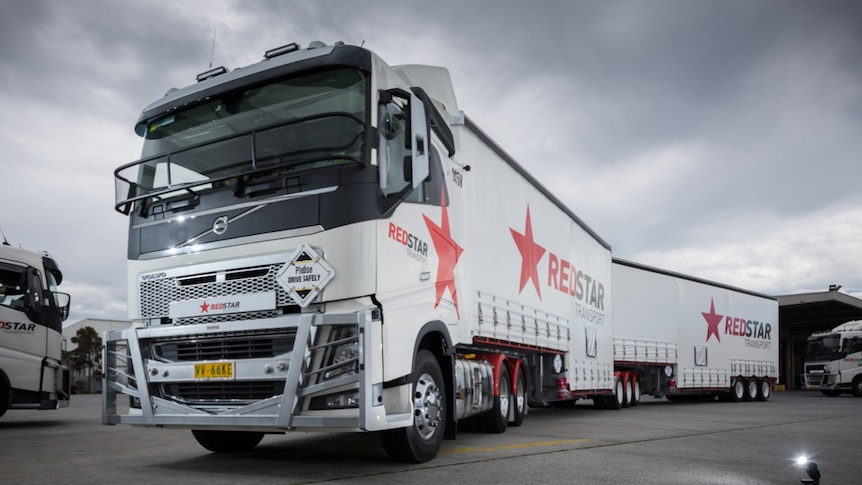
(227, 441)
(765, 389)
(520, 398)
(857, 386)
(636, 390)
(495, 421)
(831, 392)
(751, 390)
(616, 400)
(737, 390)
(4, 399)
(627, 396)
(421, 441)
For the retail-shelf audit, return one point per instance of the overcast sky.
(721, 139)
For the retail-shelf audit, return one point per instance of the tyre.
(856, 389)
(520, 398)
(616, 400)
(636, 390)
(421, 441)
(227, 441)
(627, 395)
(765, 389)
(752, 389)
(4, 399)
(495, 421)
(737, 390)
(831, 392)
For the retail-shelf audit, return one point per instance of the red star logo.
(448, 253)
(712, 321)
(531, 253)
(205, 308)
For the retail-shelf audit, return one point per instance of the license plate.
(214, 370)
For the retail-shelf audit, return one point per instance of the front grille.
(234, 392)
(226, 348)
(156, 294)
(814, 367)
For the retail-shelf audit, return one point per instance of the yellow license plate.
(214, 370)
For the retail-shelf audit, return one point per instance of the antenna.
(212, 49)
(5, 241)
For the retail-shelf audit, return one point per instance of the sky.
(716, 139)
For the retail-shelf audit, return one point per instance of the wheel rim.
(520, 394)
(739, 389)
(629, 395)
(619, 392)
(505, 397)
(765, 388)
(752, 388)
(427, 406)
(637, 393)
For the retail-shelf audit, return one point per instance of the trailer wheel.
(615, 401)
(765, 389)
(227, 441)
(737, 390)
(520, 398)
(421, 441)
(751, 389)
(857, 386)
(627, 397)
(636, 390)
(495, 421)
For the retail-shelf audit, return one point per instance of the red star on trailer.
(712, 321)
(531, 253)
(448, 253)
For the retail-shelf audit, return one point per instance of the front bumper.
(282, 375)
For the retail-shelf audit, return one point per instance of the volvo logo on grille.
(220, 225)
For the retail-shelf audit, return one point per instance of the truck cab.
(833, 360)
(32, 375)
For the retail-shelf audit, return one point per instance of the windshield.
(293, 124)
(822, 348)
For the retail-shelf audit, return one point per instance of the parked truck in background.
(321, 241)
(833, 360)
(688, 338)
(32, 374)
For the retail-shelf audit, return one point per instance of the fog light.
(342, 400)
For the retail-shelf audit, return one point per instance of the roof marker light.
(278, 51)
(211, 73)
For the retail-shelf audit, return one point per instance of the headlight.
(827, 368)
(344, 353)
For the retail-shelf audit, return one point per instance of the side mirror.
(63, 300)
(419, 144)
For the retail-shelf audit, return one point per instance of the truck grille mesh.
(156, 295)
(226, 347)
(223, 392)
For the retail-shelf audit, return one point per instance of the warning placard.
(305, 275)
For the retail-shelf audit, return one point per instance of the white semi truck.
(689, 338)
(321, 241)
(833, 360)
(32, 374)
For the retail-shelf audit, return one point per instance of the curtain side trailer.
(688, 338)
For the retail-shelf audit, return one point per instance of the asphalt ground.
(658, 442)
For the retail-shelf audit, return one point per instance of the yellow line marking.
(517, 446)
